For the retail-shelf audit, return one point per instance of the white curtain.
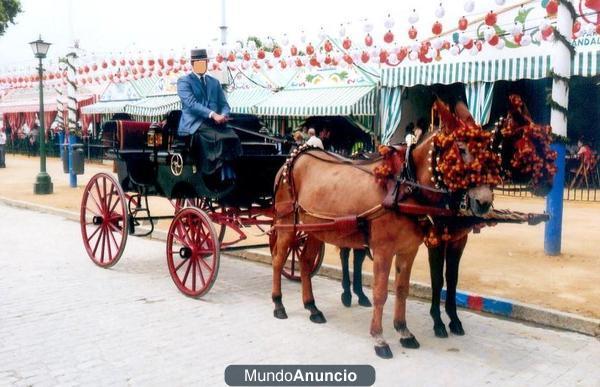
(479, 100)
(391, 111)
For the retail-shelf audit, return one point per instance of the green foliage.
(522, 15)
(8, 11)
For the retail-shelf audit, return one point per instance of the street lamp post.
(43, 182)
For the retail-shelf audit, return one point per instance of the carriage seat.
(129, 135)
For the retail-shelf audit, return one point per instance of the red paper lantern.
(310, 49)
(283, 64)
(246, 56)
(493, 40)
(231, 57)
(403, 53)
(347, 43)
(277, 52)
(219, 58)
(298, 62)
(491, 18)
(94, 67)
(463, 23)
(261, 54)
(86, 69)
(552, 8)
(104, 64)
(547, 32)
(122, 62)
(328, 46)
(327, 59)
(348, 59)
(314, 62)
(170, 62)
(131, 62)
(437, 28)
(412, 32)
(365, 57)
(368, 40)
(294, 50)
(388, 37)
(383, 56)
(576, 27)
(518, 38)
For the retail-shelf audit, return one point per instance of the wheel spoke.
(101, 207)
(183, 261)
(187, 272)
(203, 261)
(94, 233)
(112, 208)
(103, 242)
(193, 274)
(91, 195)
(98, 240)
(114, 240)
(201, 275)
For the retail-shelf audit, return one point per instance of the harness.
(399, 187)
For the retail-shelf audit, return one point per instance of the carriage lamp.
(154, 137)
(43, 182)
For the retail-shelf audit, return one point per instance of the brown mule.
(319, 188)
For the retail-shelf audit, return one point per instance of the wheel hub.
(97, 220)
(185, 252)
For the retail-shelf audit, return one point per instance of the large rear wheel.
(103, 218)
(193, 252)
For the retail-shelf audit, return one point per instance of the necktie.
(203, 82)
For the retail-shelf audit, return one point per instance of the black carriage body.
(146, 156)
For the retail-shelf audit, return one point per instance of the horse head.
(457, 159)
(524, 148)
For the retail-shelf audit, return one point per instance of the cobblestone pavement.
(65, 321)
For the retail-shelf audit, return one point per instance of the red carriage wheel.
(180, 204)
(193, 252)
(291, 269)
(103, 220)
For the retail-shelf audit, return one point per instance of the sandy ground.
(506, 261)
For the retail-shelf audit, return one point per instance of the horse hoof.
(318, 318)
(347, 299)
(456, 328)
(280, 314)
(364, 301)
(440, 331)
(410, 342)
(384, 351)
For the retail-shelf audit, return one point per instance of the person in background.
(2, 145)
(410, 136)
(313, 140)
(585, 153)
(420, 129)
(298, 139)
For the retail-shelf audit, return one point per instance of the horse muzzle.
(480, 200)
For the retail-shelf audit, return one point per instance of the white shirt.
(410, 139)
(2, 138)
(315, 141)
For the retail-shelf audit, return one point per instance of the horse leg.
(453, 254)
(307, 259)
(282, 246)
(436, 270)
(403, 267)
(359, 258)
(346, 295)
(381, 272)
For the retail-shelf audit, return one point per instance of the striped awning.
(244, 100)
(507, 69)
(338, 101)
(154, 106)
(586, 64)
(105, 107)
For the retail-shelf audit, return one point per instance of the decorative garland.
(556, 106)
(532, 157)
(386, 170)
(456, 172)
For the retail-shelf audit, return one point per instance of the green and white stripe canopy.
(332, 101)
(154, 106)
(244, 100)
(105, 107)
(507, 69)
(586, 64)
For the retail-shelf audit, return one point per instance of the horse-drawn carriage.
(151, 160)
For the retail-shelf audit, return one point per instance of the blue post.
(61, 142)
(554, 205)
(72, 175)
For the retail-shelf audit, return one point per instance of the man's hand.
(219, 118)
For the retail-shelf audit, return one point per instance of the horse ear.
(448, 121)
(518, 108)
(462, 112)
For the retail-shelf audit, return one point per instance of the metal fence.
(29, 147)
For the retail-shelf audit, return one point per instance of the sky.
(128, 26)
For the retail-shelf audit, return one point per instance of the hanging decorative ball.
(468, 44)
(293, 50)
(364, 57)
(328, 46)
(368, 26)
(285, 40)
(402, 53)
(277, 52)
(576, 27)
(219, 58)
(246, 56)
(413, 18)
(327, 59)
(342, 31)
(368, 40)
(491, 18)
(469, 6)
(552, 8)
(493, 40)
(261, 54)
(383, 56)
(518, 38)
(310, 49)
(500, 2)
(388, 37)
(348, 59)
(525, 40)
(389, 22)
(347, 43)
(314, 61)
(439, 11)
(412, 32)
(463, 23)
(299, 62)
(437, 28)
(547, 32)
(283, 64)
